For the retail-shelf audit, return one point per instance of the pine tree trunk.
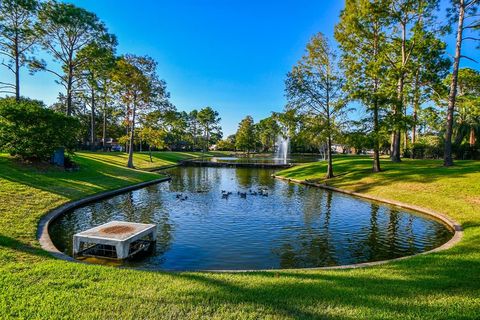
(376, 129)
(329, 155)
(92, 123)
(447, 157)
(132, 138)
(104, 128)
(69, 90)
(17, 70)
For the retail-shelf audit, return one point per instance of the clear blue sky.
(231, 55)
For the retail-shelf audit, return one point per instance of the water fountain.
(283, 145)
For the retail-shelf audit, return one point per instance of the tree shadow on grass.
(94, 176)
(13, 244)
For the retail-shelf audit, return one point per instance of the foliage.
(17, 38)
(245, 138)
(314, 89)
(227, 144)
(267, 130)
(64, 30)
(209, 122)
(427, 147)
(32, 132)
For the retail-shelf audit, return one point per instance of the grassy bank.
(443, 285)
(141, 160)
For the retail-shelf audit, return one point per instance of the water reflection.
(294, 226)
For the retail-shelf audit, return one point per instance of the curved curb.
(449, 222)
(47, 244)
(42, 229)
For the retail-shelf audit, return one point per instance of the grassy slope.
(442, 285)
(142, 160)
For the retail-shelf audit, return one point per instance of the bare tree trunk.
(69, 90)
(104, 128)
(396, 135)
(92, 122)
(447, 157)
(132, 138)
(329, 140)
(17, 70)
(376, 145)
(416, 107)
(329, 155)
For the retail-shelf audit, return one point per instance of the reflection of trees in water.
(265, 178)
(392, 233)
(153, 211)
(368, 248)
(410, 235)
(193, 179)
(244, 177)
(310, 247)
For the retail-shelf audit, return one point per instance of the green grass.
(443, 285)
(141, 160)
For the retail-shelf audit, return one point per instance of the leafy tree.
(362, 38)
(65, 30)
(209, 121)
(314, 87)
(133, 86)
(465, 13)
(32, 132)
(17, 38)
(268, 130)
(227, 144)
(429, 68)
(94, 78)
(154, 137)
(467, 105)
(245, 139)
(406, 19)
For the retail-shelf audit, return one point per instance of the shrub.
(428, 147)
(32, 132)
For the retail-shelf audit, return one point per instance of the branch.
(469, 59)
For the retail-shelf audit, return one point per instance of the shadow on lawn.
(349, 172)
(13, 244)
(94, 176)
(406, 288)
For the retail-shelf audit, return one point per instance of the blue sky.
(231, 55)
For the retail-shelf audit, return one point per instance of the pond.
(276, 224)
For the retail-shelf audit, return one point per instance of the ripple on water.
(293, 227)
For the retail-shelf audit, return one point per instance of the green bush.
(32, 132)
(427, 147)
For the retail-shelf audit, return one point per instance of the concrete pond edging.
(42, 230)
(449, 222)
(47, 244)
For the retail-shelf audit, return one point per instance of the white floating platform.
(115, 240)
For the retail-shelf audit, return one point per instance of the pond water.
(283, 226)
(266, 159)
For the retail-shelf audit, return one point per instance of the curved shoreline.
(43, 236)
(47, 244)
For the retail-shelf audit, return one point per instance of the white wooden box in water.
(118, 234)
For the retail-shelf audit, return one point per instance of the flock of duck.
(263, 192)
(259, 192)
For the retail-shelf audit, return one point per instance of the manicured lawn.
(443, 285)
(142, 160)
